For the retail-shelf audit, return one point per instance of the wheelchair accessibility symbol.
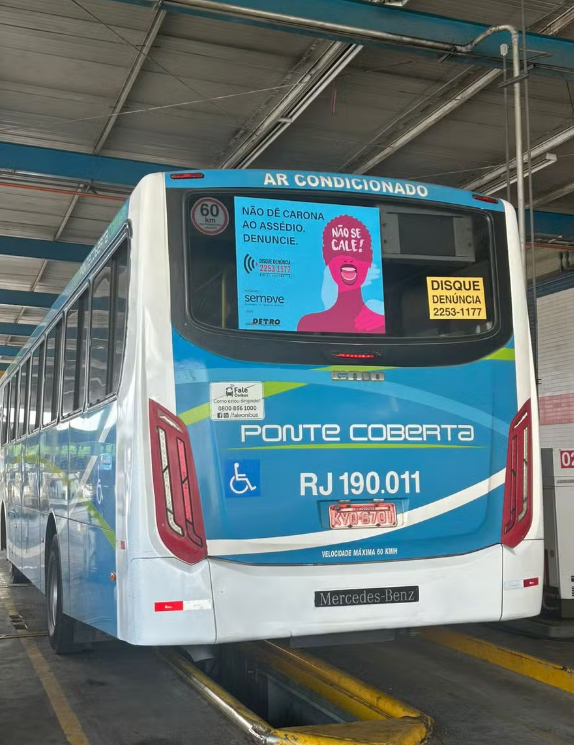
(242, 478)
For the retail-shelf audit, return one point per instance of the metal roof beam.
(315, 71)
(79, 166)
(31, 248)
(542, 148)
(370, 23)
(141, 56)
(61, 185)
(27, 299)
(6, 351)
(554, 224)
(421, 118)
(137, 64)
(564, 16)
(461, 92)
(552, 196)
(17, 329)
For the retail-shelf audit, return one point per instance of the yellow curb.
(554, 675)
(345, 691)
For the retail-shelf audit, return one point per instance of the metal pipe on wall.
(515, 44)
(390, 3)
(534, 316)
(306, 24)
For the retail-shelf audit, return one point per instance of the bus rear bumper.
(219, 601)
(523, 572)
(254, 602)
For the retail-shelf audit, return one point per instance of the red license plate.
(370, 515)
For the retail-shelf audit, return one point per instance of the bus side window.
(23, 405)
(5, 411)
(74, 381)
(13, 410)
(119, 313)
(108, 325)
(35, 389)
(51, 368)
(100, 335)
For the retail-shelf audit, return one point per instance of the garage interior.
(96, 94)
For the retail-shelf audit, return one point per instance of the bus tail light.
(177, 504)
(517, 511)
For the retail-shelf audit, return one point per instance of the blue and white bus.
(276, 404)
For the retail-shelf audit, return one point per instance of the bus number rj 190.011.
(357, 483)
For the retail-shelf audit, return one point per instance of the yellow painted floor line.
(518, 662)
(68, 721)
(20, 634)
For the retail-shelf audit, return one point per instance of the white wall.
(556, 368)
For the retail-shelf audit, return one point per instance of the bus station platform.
(453, 686)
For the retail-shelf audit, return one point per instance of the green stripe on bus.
(109, 532)
(505, 354)
(272, 387)
(197, 414)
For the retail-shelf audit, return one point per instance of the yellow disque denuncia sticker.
(456, 297)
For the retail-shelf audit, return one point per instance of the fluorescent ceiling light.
(537, 165)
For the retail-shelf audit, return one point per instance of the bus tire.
(2, 528)
(60, 626)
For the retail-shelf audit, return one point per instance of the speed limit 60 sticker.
(210, 216)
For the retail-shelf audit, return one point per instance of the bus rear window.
(335, 265)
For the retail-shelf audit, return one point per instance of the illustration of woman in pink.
(348, 254)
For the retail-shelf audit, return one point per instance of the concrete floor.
(121, 695)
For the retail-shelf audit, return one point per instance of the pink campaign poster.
(309, 267)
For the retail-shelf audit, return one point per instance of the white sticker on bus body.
(204, 604)
(179, 605)
(521, 584)
(236, 400)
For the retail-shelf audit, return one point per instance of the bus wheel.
(60, 626)
(2, 529)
